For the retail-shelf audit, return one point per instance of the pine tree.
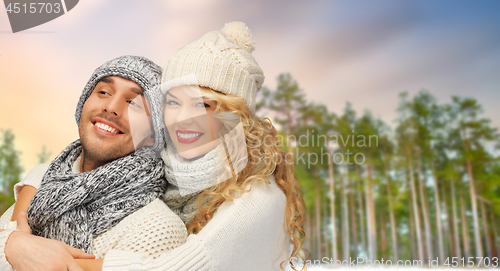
(405, 135)
(286, 101)
(43, 156)
(10, 169)
(427, 116)
(472, 131)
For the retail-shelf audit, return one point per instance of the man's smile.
(105, 127)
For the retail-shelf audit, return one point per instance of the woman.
(266, 181)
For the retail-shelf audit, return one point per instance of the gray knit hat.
(140, 70)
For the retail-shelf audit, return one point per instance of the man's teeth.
(189, 136)
(106, 127)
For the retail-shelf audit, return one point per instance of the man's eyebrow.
(138, 91)
(108, 80)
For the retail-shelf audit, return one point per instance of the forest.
(425, 187)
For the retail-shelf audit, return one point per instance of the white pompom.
(241, 35)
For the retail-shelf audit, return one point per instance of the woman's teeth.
(189, 136)
(106, 127)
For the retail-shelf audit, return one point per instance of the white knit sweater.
(245, 234)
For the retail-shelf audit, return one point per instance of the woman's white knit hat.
(220, 60)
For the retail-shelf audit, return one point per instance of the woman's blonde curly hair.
(265, 157)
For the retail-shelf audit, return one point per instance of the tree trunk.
(391, 217)
(415, 207)
(448, 237)
(414, 249)
(345, 219)
(318, 223)
(383, 236)
(496, 247)
(370, 216)
(486, 231)
(290, 130)
(332, 205)
(465, 233)
(425, 212)
(353, 217)
(477, 234)
(361, 209)
(326, 242)
(455, 220)
(307, 229)
(438, 215)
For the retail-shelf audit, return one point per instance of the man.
(97, 180)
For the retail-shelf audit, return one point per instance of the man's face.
(114, 121)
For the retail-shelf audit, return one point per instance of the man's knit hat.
(143, 72)
(220, 60)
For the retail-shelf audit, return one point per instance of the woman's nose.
(185, 116)
(188, 115)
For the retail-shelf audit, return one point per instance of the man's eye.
(103, 92)
(134, 104)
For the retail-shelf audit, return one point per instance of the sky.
(359, 51)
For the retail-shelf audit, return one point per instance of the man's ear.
(149, 141)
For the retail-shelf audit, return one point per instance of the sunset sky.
(361, 51)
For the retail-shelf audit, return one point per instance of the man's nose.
(113, 106)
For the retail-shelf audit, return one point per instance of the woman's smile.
(188, 137)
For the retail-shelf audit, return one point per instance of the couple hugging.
(172, 171)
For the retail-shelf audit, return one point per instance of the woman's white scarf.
(187, 179)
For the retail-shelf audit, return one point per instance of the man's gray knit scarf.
(73, 208)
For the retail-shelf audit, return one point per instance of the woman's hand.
(28, 252)
(90, 265)
(22, 222)
(23, 200)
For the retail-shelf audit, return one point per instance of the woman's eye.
(172, 103)
(201, 104)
